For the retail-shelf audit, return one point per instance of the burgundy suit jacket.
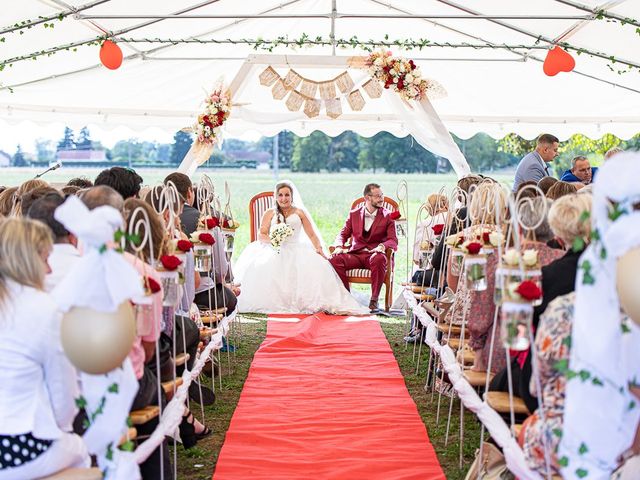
(383, 230)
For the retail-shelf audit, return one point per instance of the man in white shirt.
(65, 253)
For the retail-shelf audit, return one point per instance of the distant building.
(261, 160)
(69, 157)
(5, 159)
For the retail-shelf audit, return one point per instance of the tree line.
(320, 152)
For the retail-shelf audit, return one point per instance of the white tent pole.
(382, 16)
(576, 27)
(597, 10)
(332, 35)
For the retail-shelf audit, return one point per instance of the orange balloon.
(110, 55)
(557, 61)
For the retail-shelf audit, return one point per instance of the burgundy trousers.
(376, 262)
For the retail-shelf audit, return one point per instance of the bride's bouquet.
(279, 233)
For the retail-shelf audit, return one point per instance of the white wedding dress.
(296, 280)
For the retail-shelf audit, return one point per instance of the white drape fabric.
(101, 279)
(601, 415)
(498, 430)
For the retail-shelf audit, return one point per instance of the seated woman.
(568, 223)
(553, 345)
(481, 324)
(38, 385)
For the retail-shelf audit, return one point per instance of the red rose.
(474, 248)
(184, 245)
(152, 285)
(413, 65)
(395, 215)
(485, 237)
(438, 228)
(213, 222)
(400, 84)
(207, 238)
(529, 290)
(225, 223)
(170, 262)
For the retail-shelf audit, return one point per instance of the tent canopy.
(488, 58)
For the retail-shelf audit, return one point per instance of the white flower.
(417, 80)
(213, 110)
(378, 61)
(195, 237)
(530, 258)
(511, 257)
(393, 72)
(402, 69)
(496, 238)
(395, 79)
(408, 78)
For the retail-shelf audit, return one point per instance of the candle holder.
(515, 325)
(507, 279)
(170, 280)
(202, 258)
(475, 267)
(457, 261)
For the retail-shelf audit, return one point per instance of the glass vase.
(425, 259)
(401, 228)
(507, 279)
(169, 279)
(229, 239)
(144, 311)
(475, 268)
(457, 260)
(515, 325)
(182, 266)
(202, 258)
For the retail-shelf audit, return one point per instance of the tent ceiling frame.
(597, 11)
(331, 15)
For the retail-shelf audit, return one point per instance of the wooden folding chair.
(259, 204)
(363, 275)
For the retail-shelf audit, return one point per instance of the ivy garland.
(305, 40)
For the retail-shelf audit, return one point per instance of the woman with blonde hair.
(38, 385)
(437, 206)
(7, 201)
(26, 187)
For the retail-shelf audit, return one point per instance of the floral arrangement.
(209, 222)
(216, 112)
(402, 76)
(472, 248)
(279, 233)
(170, 262)
(528, 290)
(202, 237)
(150, 285)
(229, 224)
(438, 228)
(512, 257)
(184, 245)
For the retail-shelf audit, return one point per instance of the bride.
(298, 278)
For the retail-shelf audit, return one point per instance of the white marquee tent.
(487, 55)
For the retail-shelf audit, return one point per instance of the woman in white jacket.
(38, 385)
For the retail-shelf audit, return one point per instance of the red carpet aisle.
(325, 399)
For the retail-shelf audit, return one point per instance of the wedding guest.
(480, 325)
(7, 200)
(31, 196)
(533, 165)
(553, 346)
(611, 152)
(569, 224)
(225, 294)
(123, 180)
(561, 188)
(25, 188)
(437, 207)
(546, 183)
(38, 385)
(581, 171)
(70, 190)
(64, 254)
(102, 195)
(80, 182)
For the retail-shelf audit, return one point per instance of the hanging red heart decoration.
(558, 61)
(110, 55)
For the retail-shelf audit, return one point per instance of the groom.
(371, 230)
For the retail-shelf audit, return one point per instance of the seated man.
(581, 171)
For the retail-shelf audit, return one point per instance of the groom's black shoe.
(373, 305)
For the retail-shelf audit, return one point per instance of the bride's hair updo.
(279, 213)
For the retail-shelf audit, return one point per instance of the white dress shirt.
(38, 385)
(369, 218)
(62, 259)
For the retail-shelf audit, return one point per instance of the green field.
(328, 196)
